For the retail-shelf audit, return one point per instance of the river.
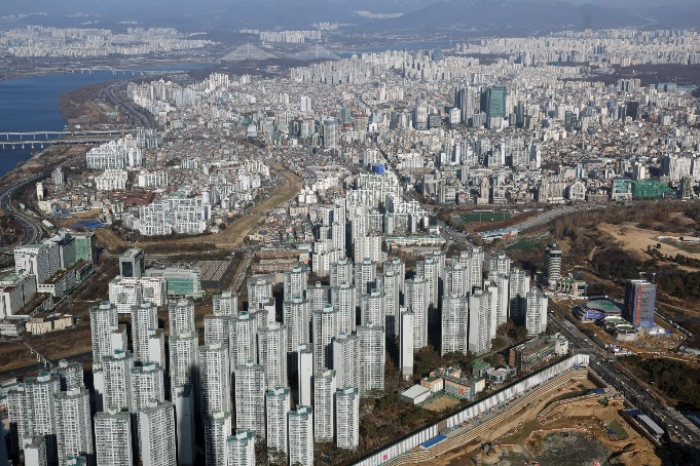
(31, 104)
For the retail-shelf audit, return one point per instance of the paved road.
(31, 227)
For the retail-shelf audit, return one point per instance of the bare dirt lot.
(440, 404)
(638, 240)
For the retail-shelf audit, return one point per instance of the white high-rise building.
(249, 395)
(113, 439)
(324, 418)
(156, 346)
(297, 320)
(365, 276)
(214, 379)
(317, 296)
(552, 263)
(417, 302)
(305, 373)
(144, 317)
(500, 317)
(181, 316)
(398, 267)
(346, 360)
(73, 424)
(41, 260)
(325, 328)
(217, 430)
(455, 324)
(455, 281)
(295, 283)
(499, 264)
(103, 321)
(277, 407)
(183, 398)
(519, 286)
(70, 374)
(389, 284)
(259, 293)
(272, 354)
(157, 434)
(372, 308)
(343, 299)
(147, 385)
(368, 246)
(406, 344)
(479, 318)
(347, 418)
(301, 436)
(183, 360)
(216, 329)
(372, 358)
(427, 269)
(241, 339)
(241, 448)
(536, 314)
(117, 378)
(342, 272)
(225, 304)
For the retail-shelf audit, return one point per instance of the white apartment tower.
(455, 281)
(372, 358)
(341, 272)
(305, 373)
(183, 360)
(157, 434)
(259, 293)
(217, 430)
(296, 319)
(225, 304)
(325, 328)
(216, 329)
(347, 418)
(39, 414)
(181, 316)
(70, 374)
(536, 314)
(417, 302)
(295, 282)
(249, 395)
(277, 407)
(343, 299)
(241, 448)
(156, 346)
(406, 343)
(372, 308)
(144, 317)
(479, 318)
(214, 379)
(241, 340)
(103, 321)
(272, 354)
(183, 397)
(324, 419)
(455, 324)
(499, 264)
(113, 440)
(552, 263)
(389, 284)
(117, 379)
(346, 360)
(519, 287)
(365, 276)
(301, 436)
(147, 385)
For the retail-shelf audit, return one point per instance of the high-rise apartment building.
(343, 299)
(347, 418)
(103, 321)
(536, 314)
(479, 322)
(324, 411)
(214, 379)
(216, 329)
(225, 304)
(147, 385)
(372, 358)
(346, 360)
(73, 424)
(305, 373)
(519, 286)
(250, 388)
(181, 317)
(217, 430)
(70, 374)
(272, 354)
(117, 380)
(241, 448)
(241, 340)
(296, 282)
(113, 439)
(297, 319)
(455, 324)
(144, 317)
(406, 343)
(301, 436)
(157, 434)
(277, 407)
(417, 302)
(325, 328)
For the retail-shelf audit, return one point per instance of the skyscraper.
(325, 328)
(640, 303)
(372, 358)
(157, 434)
(250, 388)
(324, 419)
(536, 314)
(277, 407)
(214, 379)
(241, 448)
(113, 440)
(144, 317)
(272, 354)
(301, 436)
(495, 103)
(347, 416)
(217, 430)
(420, 115)
(73, 424)
(455, 324)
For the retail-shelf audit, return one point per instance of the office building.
(113, 439)
(132, 263)
(241, 448)
(157, 434)
(217, 430)
(250, 388)
(272, 354)
(301, 436)
(324, 411)
(495, 104)
(372, 358)
(41, 260)
(277, 407)
(640, 303)
(214, 379)
(347, 418)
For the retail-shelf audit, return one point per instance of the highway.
(680, 430)
(31, 227)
